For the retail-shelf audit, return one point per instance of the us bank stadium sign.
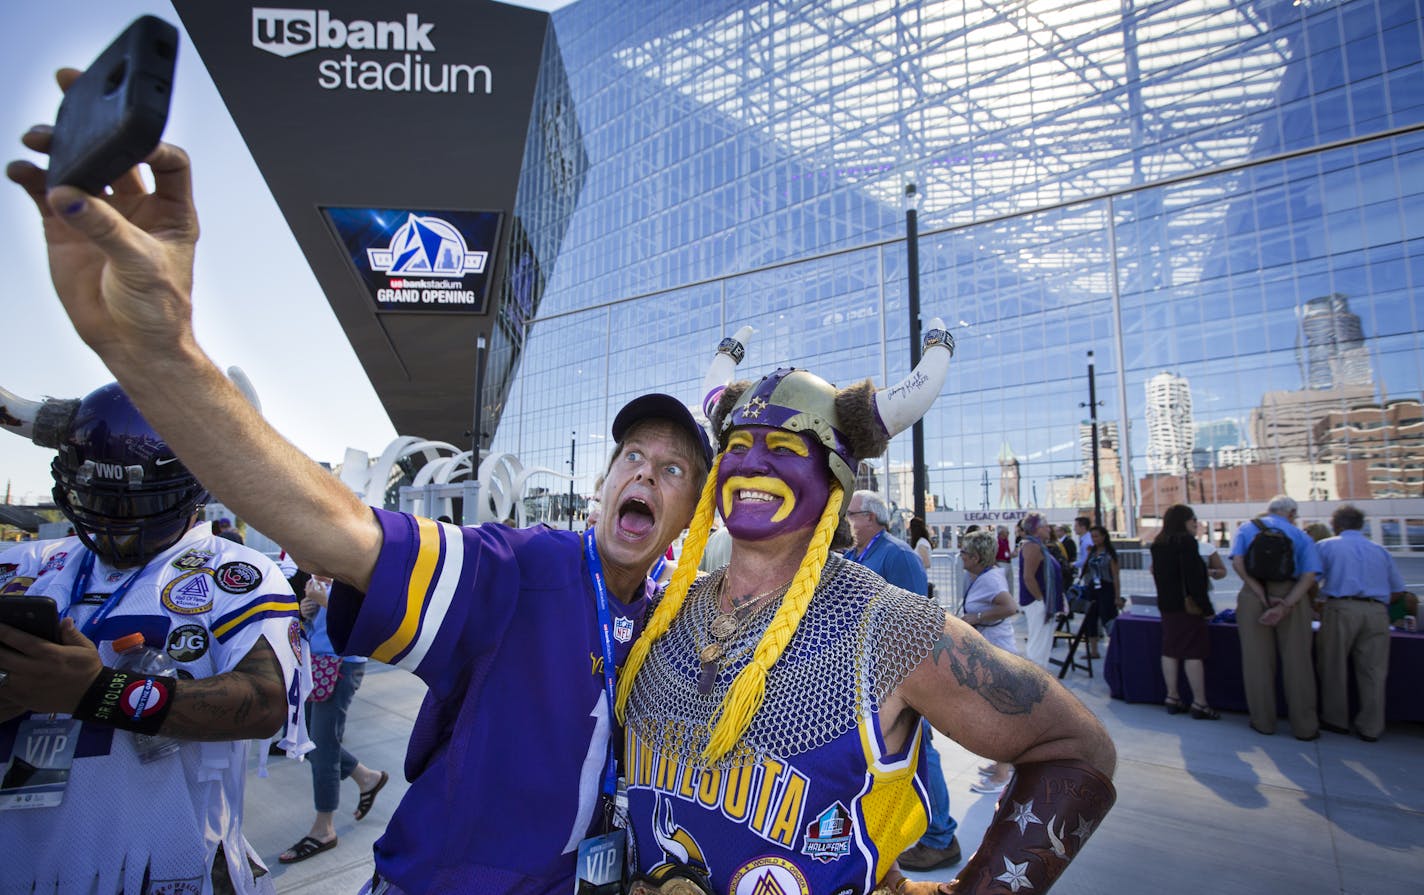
(419, 260)
(367, 63)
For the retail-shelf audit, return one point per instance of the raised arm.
(123, 268)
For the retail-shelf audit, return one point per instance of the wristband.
(127, 701)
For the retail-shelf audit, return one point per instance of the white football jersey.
(205, 602)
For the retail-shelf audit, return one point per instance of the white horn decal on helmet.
(244, 385)
(900, 406)
(729, 353)
(43, 422)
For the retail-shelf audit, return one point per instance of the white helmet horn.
(900, 406)
(244, 385)
(729, 353)
(43, 422)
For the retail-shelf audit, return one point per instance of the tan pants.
(1259, 647)
(1354, 631)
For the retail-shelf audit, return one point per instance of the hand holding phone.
(37, 616)
(113, 116)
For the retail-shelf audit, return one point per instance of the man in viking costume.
(773, 741)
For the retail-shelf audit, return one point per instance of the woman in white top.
(920, 540)
(990, 608)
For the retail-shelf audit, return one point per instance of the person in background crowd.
(335, 682)
(1082, 527)
(1269, 620)
(1359, 578)
(920, 541)
(990, 609)
(1063, 536)
(1004, 555)
(1180, 576)
(894, 560)
(1040, 585)
(223, 529)
(1100, 578)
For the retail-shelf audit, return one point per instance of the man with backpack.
(1277, 563)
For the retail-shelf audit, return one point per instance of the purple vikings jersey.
(508, 752)
(826, 821)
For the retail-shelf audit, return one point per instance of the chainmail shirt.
(858, 640)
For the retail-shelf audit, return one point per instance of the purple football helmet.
(126, 493)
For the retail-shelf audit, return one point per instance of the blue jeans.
(326, 724)
(942, 826)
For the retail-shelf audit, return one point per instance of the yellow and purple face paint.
(771, 482)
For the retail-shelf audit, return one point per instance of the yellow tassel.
(748, 690)
(682, 578)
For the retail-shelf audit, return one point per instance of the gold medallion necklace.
(727, 627)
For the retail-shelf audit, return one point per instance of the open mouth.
(635, 517)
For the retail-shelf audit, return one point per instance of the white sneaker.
(988, 787)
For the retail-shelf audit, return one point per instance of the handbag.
(326, 670)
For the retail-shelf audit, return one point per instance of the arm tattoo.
(246, 703)
(1006, 682)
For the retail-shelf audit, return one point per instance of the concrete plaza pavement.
(1202, 806)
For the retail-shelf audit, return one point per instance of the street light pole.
(918, 477)
(573, 447)
(478, 432)
(1093, 418)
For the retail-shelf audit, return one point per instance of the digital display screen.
(420, 259)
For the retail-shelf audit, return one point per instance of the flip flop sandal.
(305, 848)
(368, 798)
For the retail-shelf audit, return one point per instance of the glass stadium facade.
(1223, 200)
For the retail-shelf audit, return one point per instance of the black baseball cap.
(661, 407)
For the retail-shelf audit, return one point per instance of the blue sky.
(257, 304)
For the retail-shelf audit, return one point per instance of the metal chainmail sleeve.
(859, 639)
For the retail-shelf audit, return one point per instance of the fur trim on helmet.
(858, 420)
(725, 403)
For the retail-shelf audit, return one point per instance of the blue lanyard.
(861, 558)
(81, 581)
(605, 633)
(658, 567)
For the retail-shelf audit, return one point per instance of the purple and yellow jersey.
(510, 745)
(830, 820)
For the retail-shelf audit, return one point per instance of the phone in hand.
(38, 616)
(113, 116)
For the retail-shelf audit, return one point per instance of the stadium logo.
(427, 245)
(287, 32)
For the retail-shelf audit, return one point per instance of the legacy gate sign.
(391, 135)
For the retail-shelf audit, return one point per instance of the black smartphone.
(113, 116)
(33, 615)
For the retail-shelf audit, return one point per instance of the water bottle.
(135, 657)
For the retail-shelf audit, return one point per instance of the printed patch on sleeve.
(7, 571)
(189, 593)
(238, 577)
(54, 563)
(188, 643)
(194, 559)
(768, 874)
(294, 637)
(17, 585)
